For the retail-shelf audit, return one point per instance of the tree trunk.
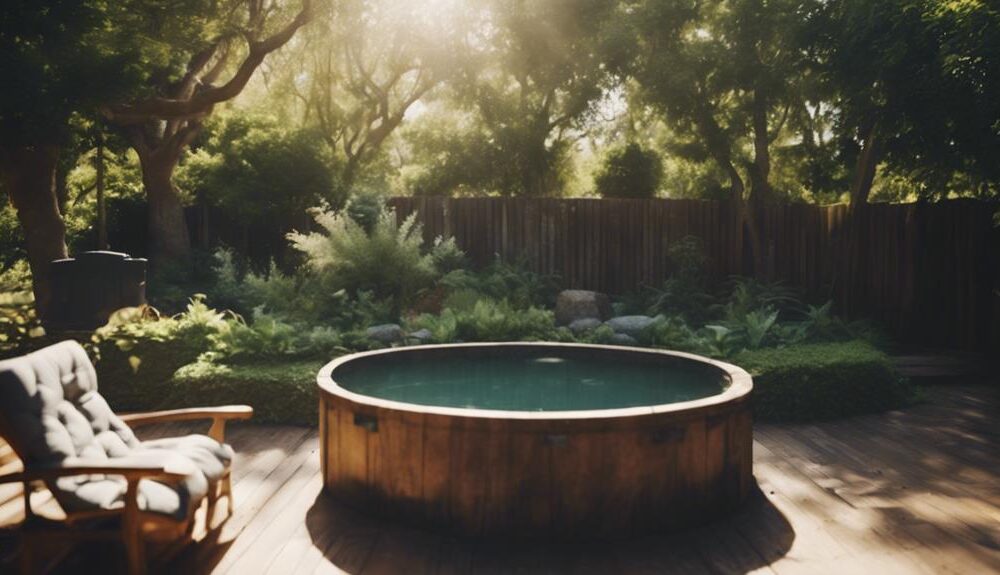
(760, 170)
(864, 171)
(168, 232)
(102, 210)
(718, 147)
(855, 260)
(30, 177)
(760, 185)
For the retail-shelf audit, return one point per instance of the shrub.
(20, 328)
(138, 345)
(283, 392)
(389, 261)
(630, 172)
(269, 338)
(685, 292)
(747, 295)
(823, 381)
(280, 392)
(488, 320)
(514, 281)
(304, 298)
(258, 170)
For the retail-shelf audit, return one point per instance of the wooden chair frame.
(134, 527)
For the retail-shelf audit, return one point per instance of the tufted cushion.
(51, 410)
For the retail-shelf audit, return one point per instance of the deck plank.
(907, 492)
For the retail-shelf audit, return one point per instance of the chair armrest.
(130, 468)
(218, 415)
(224, 412)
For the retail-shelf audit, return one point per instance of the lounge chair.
(107, 483)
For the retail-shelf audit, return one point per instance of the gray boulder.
(622, 339)
(421, 335)
(630, 325)
(385, 333)
(586, 324)
(574, 304)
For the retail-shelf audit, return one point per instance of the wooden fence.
(930, 273)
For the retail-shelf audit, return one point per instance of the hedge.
(282, 392)
(823, 381)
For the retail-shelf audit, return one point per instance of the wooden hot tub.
(564, 474)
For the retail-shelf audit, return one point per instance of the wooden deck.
(916, 491)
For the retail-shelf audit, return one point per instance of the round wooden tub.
(563, 474)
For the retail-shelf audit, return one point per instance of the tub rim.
(739, 389)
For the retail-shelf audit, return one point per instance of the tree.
(722, 73)
(260, 173)
(532, 72)
(916, 85)
(55, 50)
(358, 73)
(630, 172)
(163, 120)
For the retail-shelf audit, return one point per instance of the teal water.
(533, 382)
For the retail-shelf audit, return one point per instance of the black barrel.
(87, 289)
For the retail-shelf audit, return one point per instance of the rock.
(421, 335)
(630, 325)
(385, 333)
(573, 304)
(622, 339)
(586, 324)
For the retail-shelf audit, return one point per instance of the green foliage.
(529, 75)
(11, 238)
(365, 208)
(685, 292)
(267, 338)
(823, 381)
(513, 281)
(137, 343)
(302, 299)
(748, 294)
(877, 56)
(56, 50)
(488, 320)
(20, 327)
(630, 172)
(258, 170)
(389, 261)
(674, 333)
(447, 257)
(280, 392)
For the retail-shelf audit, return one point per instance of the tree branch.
(203, 100)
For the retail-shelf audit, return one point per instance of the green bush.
(823, 381)
(268, 337)
(137, 345)
(488, 320)
(20, 329)
(279, 392)
(389, 260)
(304, 298)
(513, 281)
(630, 172)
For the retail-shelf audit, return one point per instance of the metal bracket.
(556, 440)
(368, 422)
(668, 434)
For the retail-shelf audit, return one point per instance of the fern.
(387, 260)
